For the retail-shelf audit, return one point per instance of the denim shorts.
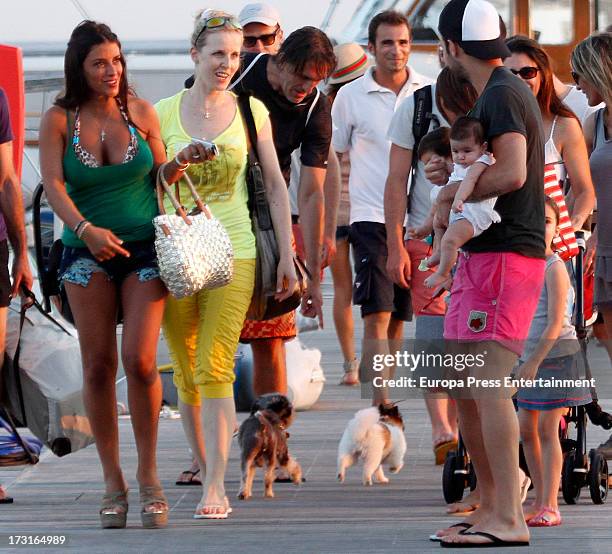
(78, 264)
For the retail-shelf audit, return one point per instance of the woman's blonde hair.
(198, 37)
(592, 60)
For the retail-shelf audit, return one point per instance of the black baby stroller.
(579, 469)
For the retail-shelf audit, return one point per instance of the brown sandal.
(114, 509)
(153, 519)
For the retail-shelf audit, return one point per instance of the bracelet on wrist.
(182, 166)
(76, 228)
(82, 229)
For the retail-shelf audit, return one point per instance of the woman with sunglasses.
(592, 70)
(203, 330)
(565, 148)
(99, 151)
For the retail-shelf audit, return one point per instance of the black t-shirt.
(506, 105)
(289, 120)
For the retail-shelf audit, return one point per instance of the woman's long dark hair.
(85, 36)
(549, 102)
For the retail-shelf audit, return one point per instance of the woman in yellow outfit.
(203, 330)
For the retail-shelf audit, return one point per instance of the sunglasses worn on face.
(266, 40)
(217, 22)
(576, 77)
(526, 72)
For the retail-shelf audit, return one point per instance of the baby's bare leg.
(457, 234)
(434, 259)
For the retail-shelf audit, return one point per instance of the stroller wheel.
(571, 482)
(598, 477)
(453, 478)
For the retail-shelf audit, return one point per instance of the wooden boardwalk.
(61, 496)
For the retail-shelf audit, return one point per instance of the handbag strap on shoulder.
(244, 104)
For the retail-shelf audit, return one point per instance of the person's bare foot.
(470, 503)
(471, 520)
(490, 528)
(190, 476)
(435, 280)
(530, 509)
(4, 497)
(433, 260)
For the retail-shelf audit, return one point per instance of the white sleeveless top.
(552, 155)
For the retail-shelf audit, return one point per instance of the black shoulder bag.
(263, 304)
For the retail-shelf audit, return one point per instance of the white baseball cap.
(476, 26)
(259, 13)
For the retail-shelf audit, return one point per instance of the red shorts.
(422, 304)
(281, 327)
(494, 297)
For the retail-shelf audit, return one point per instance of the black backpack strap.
(423, 107)
(421, 120)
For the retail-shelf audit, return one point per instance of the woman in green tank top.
(99, 148)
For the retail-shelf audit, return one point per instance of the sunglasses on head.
(526, 72)
(217, 22)
(267, 39)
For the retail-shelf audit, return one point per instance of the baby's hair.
(466, 127)
(437, 141)
(550, 202)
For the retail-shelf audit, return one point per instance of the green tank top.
(116, 197)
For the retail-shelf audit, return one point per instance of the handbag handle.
(162, 187)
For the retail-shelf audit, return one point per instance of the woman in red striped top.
(565, 148)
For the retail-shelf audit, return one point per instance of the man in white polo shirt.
(361, 115)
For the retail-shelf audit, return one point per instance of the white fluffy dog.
(377, 436)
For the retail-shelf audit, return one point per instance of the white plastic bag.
(51, 378)
(305, 378)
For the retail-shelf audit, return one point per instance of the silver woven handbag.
(194, 251)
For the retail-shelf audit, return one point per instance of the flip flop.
(194, 480)
(496, 542)
(6, 500)
(227, 510)
(465, 526)
(442, 449)
(543, 519)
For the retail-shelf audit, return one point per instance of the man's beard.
(456, 68)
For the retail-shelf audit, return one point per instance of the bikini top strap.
(124, 114)
(76, 126)
(552, 128)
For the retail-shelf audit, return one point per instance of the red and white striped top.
(565, 244)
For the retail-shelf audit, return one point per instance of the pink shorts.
(494, 297)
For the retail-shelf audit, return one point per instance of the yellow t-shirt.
(221, 182)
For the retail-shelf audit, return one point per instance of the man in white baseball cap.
(261, 28)
(493, 319)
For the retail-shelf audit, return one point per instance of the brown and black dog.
(263, 441)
